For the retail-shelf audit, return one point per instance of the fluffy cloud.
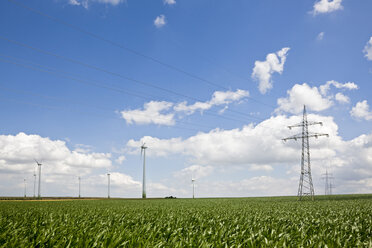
(327, 6)
(17, 153)
(361, 111)
(316, 99)
(300, 95)
(325, 87)
(163, 113)
(368, 49)
(170, 2)
(263, 70)
(160, 21)
(250, 145)
(341, 98)
(151, 114)
(260, 148)
(218, 98)
(120, 159)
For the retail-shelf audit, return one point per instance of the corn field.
(342, 221)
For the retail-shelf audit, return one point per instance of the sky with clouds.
(209, 86)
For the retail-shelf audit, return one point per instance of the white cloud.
(361, 111)
(151, 114)
(74, 2)
(300, 95)
(327, 6)
(368, 49)
(325, 87)
(341, 98)
(163, 113)
(160, 21)
(86, 3)
(263, 70)
(120, 159)
(259, 148)
(218, 98)
(320, 36)
(315, 98)
(170, 2)
(17, 154)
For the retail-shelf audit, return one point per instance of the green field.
(340, 221)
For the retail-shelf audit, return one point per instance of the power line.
(121, 46)
(115, 74)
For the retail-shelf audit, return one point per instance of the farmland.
(340, 221)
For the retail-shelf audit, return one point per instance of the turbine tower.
(34, 183)
(193, 187)
(39, 166)
(24, 181)
(143, 149)
(79, 185)
(108, 185)
(305, 187)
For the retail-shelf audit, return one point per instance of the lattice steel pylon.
(305, 187)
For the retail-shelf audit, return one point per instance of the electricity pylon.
(328, 184)
(305, 187)
(143, 149)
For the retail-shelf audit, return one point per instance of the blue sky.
(212, 86)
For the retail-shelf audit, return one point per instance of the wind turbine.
(38, 191)
(79, 185)
(108, 185)
(24, 181)
(193, 187)
(143, 149)
(34, 183)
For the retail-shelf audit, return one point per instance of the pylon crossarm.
(300, 136)
(309, 123)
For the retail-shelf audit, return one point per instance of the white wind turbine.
(34, 183)
(143, 149)
(38, 191)
(193, 187)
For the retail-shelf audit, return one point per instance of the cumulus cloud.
(361, 111)
(160, 21)
(341, 98)
(218, 98)
(170, 2)
(368, 49)
(163, 113)
(327, 6)
(300, 95)
(263, 70)
(315, 98)
(259, 148)
(325, 87)
(151, 114)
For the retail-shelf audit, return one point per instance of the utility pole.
(143, 149)
(305, 187)
(24, 181)
(108, 185)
